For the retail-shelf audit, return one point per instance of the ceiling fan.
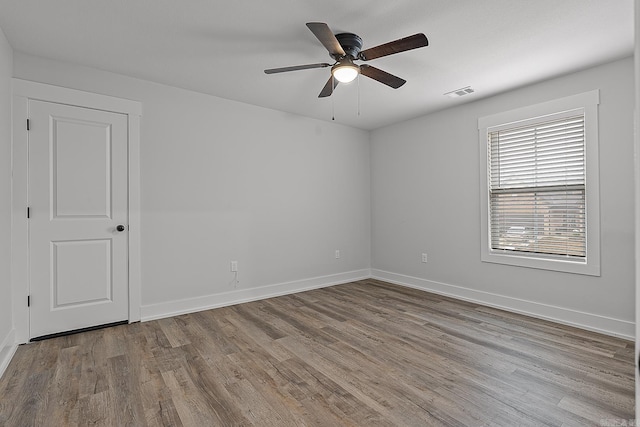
(345, 48)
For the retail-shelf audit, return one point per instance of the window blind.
(537, 188)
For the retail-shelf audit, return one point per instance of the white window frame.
(588, 102)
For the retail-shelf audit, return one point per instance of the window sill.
(531, 261)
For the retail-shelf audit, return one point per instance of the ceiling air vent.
(460, 92)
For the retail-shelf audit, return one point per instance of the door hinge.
(28, 300)
(28, 212)
(28, 125)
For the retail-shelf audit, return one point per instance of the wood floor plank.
(366, 353)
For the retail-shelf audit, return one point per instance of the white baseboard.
(238, 296)
(592, 322)
(8, 348)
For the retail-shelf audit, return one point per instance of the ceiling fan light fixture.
(345, 48)
(345, 73)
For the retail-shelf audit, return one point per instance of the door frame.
(23, 92)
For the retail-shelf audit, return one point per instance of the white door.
(78, 218)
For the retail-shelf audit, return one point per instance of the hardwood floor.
(361, 354)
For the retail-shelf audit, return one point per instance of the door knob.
(120, 227)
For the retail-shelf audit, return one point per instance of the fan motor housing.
(351, 44)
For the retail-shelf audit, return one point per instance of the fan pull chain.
(333, 108)
(358, 94)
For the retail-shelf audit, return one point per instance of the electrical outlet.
(337, 253)
(424, 258)
(234, 266)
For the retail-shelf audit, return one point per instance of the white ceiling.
(222, 47)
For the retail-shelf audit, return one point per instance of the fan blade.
(412, 42)
(381, 76)
(328, 88)
(326, 37)
(296, 67)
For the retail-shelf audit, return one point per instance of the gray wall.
(279, 193)
(426, 198)
(223, 181)
(6, 65)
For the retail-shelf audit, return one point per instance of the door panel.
(77, 197)
(81, 169)
(92, 284)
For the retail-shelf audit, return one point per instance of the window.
(539, 167)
